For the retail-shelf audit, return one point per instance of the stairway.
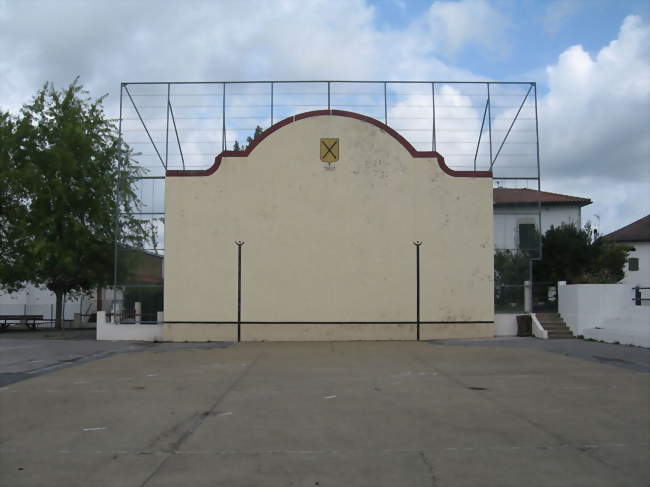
(554, 325)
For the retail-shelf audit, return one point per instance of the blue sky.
(536, 32)
(590, 58)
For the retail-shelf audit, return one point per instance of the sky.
(590, 60)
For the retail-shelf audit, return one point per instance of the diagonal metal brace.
(126, 88)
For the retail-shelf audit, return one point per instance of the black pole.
(417, 244)
(239, 246)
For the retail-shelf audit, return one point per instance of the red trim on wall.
(338, 113)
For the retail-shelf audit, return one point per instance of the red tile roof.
(516, 196)
(638, 231)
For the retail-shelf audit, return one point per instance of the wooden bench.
(29, 320)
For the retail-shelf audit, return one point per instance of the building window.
(633, 264)
(527, 236)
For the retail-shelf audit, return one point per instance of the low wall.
(538, 330)
(506, 324)
(199, 332)
(131, 332)
(589, 305)
(210, 332)
(605, 312)
(618, 335)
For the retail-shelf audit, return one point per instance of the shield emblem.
(329, 150)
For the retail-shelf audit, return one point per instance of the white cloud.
(455, 25)
(229, 40)
(558, 13)
(594, 120)
(595, 125)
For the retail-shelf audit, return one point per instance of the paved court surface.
(320, 414)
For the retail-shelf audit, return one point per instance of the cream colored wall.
(328, 243)
(326, 332)
(199, 332)
(457, 330)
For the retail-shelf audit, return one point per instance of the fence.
(639, 292)
(509, 298)
(184, 125)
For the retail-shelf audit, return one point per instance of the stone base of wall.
(327, 332)
(210, 332)
(457, 330)
(199, 332)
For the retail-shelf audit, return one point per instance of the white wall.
(605, 312)
(115, 332)
(33, 300)
(642, 276)
(588, 305)
(505, 324)
(507, 220)
(38, 301)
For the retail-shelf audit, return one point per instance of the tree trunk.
(58, 324)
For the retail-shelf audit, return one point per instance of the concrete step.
(564, 329)
(548, 316)
(560, 334)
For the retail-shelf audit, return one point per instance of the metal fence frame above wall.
(431, 97)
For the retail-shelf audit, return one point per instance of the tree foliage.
(62, 165)
(511, 269)
(249, 140)
(571, 254)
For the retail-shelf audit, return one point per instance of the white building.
(516, 217)
(637, 236)
(32, 300)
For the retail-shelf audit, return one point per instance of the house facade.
(516, 217)
(637, 236)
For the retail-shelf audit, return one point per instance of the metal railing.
(638, 295)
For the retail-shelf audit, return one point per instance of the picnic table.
(29, 320)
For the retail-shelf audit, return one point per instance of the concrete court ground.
(321, 414)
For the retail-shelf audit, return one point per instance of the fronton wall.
(329, 243)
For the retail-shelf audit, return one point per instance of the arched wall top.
(337, 113)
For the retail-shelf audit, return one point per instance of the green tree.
(571, 254)
(64, 165)
(511, 269)
(249, 139)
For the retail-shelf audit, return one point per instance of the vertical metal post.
(329, 105)
(433, 117)
(539, 177)
(489, 120)
(480, 135)
(417, 244)
(239, 246)
(385, 105)
(223, 117)
(117, 207)
(271, 102)
(167, 131)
